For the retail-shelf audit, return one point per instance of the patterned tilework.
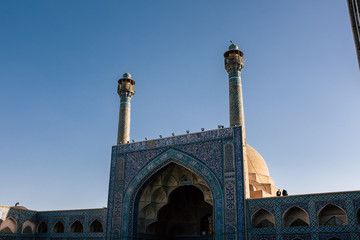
(99, 217)
(119, 186)
(230, 192)
(239, 171)
(207, 152)
(356, 204)
(177, 140)
(263, 237)
(326, 236)
(312, 204)
(287, 206)
(235, 98)
(42, 219)
(253, 209)
(235, 103)
(230, 196)
(229, 165)
(303, 236)
(56, 219)
(136, 161)
(50, 218)
(124, 120)
(110, 209)
(320, 204)
(152, 168)
(80, 218)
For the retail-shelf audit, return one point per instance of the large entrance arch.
(175, 202)
(137, 222)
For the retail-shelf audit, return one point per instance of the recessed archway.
(58, 227)
(96, 226)
(42, 228)
(332, 215)
(296, 217)
(263, 219)
(28, 227)
(76, 227)
(9, 225)
(175, 202)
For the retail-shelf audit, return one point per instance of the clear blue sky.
(60, 62)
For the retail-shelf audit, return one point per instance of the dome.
(127, 75)
(233, 47)
(256, 164)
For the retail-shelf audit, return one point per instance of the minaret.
(126, 89)
(234, 63)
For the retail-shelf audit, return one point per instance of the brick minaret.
(126, 89)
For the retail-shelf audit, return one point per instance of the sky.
(60, 62)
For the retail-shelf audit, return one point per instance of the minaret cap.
(126, 86)
(233, 46)
(127, 75)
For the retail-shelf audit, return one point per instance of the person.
(278, 193)
(284, 192)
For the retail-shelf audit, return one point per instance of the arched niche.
(28, 227)
(9, 225)
(42, 228)
(144, 176)
(175, 202)
(295, 217)
(96, 226)
(262, 219)
(58, 227)
(76, 227)
(332, 215)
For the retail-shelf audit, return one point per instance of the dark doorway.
(185, 215)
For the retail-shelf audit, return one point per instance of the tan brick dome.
(256, 164)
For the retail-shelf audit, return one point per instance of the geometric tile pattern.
(235, 101)
(153, 167)
(85, 216)
(312, 204)
(124, 120)
(177, 140)
(209, 153)
(200, 152)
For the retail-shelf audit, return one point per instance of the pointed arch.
(28, 227)
(58, 227)
(151, 217)
(332, 215)
(184, 160)
(77, 227)
(9, 225)
(262, 219)
(96, 226)
(42, 228)
(295, 217)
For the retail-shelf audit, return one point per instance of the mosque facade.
(205, 185)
